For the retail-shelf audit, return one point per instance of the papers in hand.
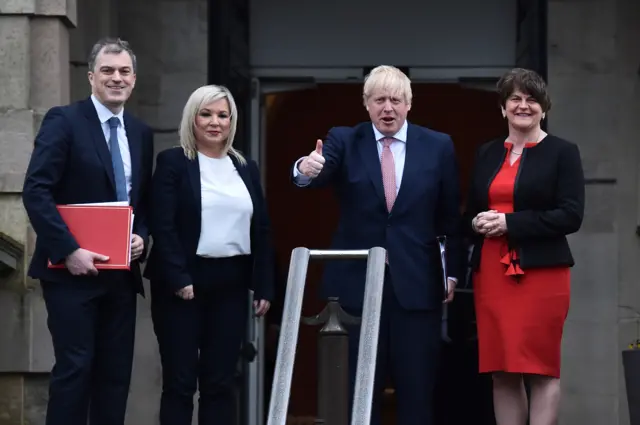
(442, 244)
(105, 228)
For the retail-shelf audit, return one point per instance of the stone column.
(594, 82)
(34, 70)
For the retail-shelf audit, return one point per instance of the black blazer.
(548, 200)
(71, 164)
(176, 221)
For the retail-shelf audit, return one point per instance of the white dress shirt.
(104, 115)
(227, 209)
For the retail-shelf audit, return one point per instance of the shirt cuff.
(298, 178)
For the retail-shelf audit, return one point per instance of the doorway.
(293, 121)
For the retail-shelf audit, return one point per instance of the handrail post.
(369, 331)
(367, 351)
(288, 339)
(333, 362)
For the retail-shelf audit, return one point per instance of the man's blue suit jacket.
(71, 164)
(427, 206)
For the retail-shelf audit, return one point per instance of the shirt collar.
(400, 136)
(104, 113)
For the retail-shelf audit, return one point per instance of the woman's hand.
(490, 223)
(498, 226)
(261, 307)
(481, 222)
(186, 293)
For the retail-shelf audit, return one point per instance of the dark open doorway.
(294, 120)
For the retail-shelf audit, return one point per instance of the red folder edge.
(102, 265)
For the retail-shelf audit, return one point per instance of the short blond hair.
(389, 79)
(199, 98)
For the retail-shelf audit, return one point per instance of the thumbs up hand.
(312, 165)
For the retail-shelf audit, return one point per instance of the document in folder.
(102, 229)
(442, 244)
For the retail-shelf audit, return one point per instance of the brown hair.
(526, 81)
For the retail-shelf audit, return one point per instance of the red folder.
(104, 230)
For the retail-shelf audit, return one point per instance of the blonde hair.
(199, 98)
(388, 79)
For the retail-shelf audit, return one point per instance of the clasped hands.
(81, 262)
(490, 224)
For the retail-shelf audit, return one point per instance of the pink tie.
(388, 172)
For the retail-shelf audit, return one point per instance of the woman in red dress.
(526, 195)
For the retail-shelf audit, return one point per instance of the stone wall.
(34, 70)
(593, 74)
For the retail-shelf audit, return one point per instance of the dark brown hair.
(110, 45)
(526, 81)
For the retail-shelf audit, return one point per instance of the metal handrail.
(368, 347)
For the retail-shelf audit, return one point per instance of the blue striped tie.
(116, 160)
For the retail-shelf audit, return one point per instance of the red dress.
(520, 314)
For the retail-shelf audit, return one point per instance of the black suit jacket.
(427, 206)
(548, 200)
(176, 222)
(71, 164)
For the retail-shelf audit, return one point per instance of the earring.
(544, 115)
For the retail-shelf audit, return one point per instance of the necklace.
(520, 153)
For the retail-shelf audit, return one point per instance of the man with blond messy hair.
(397, 185)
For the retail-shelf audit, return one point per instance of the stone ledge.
(66, 10)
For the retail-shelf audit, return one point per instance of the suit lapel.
(97, 135)
(193, 170)
(134, 137)
(415, 156)
(367, 145)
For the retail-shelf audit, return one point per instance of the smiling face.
(213, 125)
(112, 79)
(522, 111)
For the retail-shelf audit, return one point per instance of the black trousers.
(409, 351)
(200, 342)
(92, 325)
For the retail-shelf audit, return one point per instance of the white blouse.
(226, 209)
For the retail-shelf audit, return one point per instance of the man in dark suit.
(397, 185)
(88, 152)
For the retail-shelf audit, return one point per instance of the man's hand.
(311, 165)
(186, 293)
(452, 288)
(137, 246)
(81, 262)
(261, 307)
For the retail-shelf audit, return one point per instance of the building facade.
(593, 69)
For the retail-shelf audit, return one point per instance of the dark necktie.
(116, 160)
